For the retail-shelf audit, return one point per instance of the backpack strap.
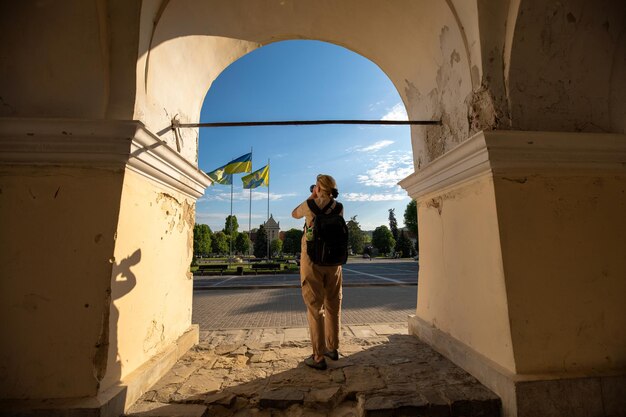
(313, 207)
(327, 208)
(337, 209)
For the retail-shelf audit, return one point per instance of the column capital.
(502, 152)
(109, 144)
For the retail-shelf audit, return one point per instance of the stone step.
(437, 403)
(447, 401)
(155, 409)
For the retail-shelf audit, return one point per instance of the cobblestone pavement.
(268, 308)
(382, 371)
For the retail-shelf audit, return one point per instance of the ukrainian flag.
(219, 176)
(257, 178)
(241, 164)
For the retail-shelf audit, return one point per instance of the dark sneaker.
(332, 354)
(310, 361)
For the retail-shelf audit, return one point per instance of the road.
(374, 292)
(356, 273)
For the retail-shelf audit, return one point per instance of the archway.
(91, 133)
(215, 44)
(305, 79)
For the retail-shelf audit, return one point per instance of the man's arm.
(299, 212)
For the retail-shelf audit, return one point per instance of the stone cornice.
(467, 160)
(520, 153)
(98, 143)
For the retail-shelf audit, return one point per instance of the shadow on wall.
(402, 376)
(122, 282)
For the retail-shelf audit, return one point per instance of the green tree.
(356, 239)
(276, 247)
(260, 243)
(403, 245)
(231, 225)
(220, 244)
(201, 239)
(383, 240)
(393, 224)
(410, 221)
(242, 243)
(292, 242)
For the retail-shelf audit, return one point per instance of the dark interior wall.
(74, 59)
(563, 66)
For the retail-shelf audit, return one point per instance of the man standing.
(321, 283)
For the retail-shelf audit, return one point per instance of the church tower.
(272, 228)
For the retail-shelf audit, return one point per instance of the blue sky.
(305, 80)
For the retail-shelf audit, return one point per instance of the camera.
(311, 188)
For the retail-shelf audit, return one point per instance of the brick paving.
(284, 308)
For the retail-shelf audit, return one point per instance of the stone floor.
(382, 371)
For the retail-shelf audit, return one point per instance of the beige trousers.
(321, 291)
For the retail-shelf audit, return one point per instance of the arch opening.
(307, 79)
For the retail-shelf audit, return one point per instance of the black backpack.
(329, 246)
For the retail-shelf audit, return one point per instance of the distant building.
(253, 233)
(272, 228)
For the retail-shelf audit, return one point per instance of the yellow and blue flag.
(219, 176)
(257, 178)
(241, 164)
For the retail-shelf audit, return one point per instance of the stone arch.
(431, 70)
(88, 90)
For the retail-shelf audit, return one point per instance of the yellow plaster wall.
(461, 281)
(57, 231)
(151, 283)
(563, 241)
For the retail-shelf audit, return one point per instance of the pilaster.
(522, 236)
(97, 220)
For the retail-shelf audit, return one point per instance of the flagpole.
(250, 225)
(268, 205)
(230, 225)
(250, 217)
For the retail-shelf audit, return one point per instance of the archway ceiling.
(417, 43)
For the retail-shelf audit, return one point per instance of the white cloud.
(375, 197)
(388, 172)
(397, 112)
(205, 216)
(374, 106)
(376, 146)
(244, 195)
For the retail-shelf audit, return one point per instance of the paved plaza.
(374, 292)
(270, 308)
